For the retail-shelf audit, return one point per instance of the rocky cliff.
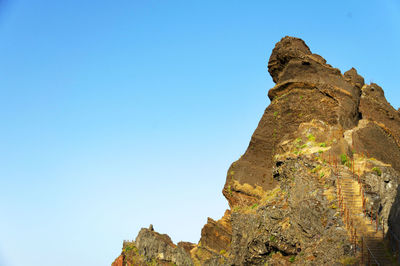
(323, 134)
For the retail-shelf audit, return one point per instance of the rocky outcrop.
(355, 79)
(216, 235)
(374, 141)
(294, 220)
(151, 247)
(282, 192)
(307, 88)
(287, 49)
(215, 240)
(374, 107)
(151, 243)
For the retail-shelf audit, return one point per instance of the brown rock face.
(373, 141)
(187, 246)
(353, 77)
(282, 191)
(153, 248)
(216, 235)
(307, 88)
(374, 107)
(287, 49)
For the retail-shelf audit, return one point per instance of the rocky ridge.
(282, 191)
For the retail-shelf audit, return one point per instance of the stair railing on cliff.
(365, 243)
(344, 210)
(370, 255)
(345, 213)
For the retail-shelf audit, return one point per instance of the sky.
(115, 115)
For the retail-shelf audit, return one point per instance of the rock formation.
(321, 127)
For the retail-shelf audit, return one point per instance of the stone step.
(352, 198)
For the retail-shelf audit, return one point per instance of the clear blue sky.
(118, 114)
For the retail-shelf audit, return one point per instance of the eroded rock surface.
(151, 247)
(282, 191)
(307, 88)
(295, 220)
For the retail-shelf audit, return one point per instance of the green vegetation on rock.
(255, 205)
(377, 170)
(343, 158)
(311, 137)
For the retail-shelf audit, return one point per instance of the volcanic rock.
(321, 127)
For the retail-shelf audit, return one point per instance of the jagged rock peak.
(353, 77)
(293, 65)
(285, 50)
(375, 91)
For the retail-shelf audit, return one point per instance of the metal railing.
(369, 255)
(347, 217)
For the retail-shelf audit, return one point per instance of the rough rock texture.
(381, 189)
(374, 107)
(150, 243)
(307, 88)
(151, 247)
(282, 192)
(373, 141)
(187, 246)
(216, 235)
(296, 220)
